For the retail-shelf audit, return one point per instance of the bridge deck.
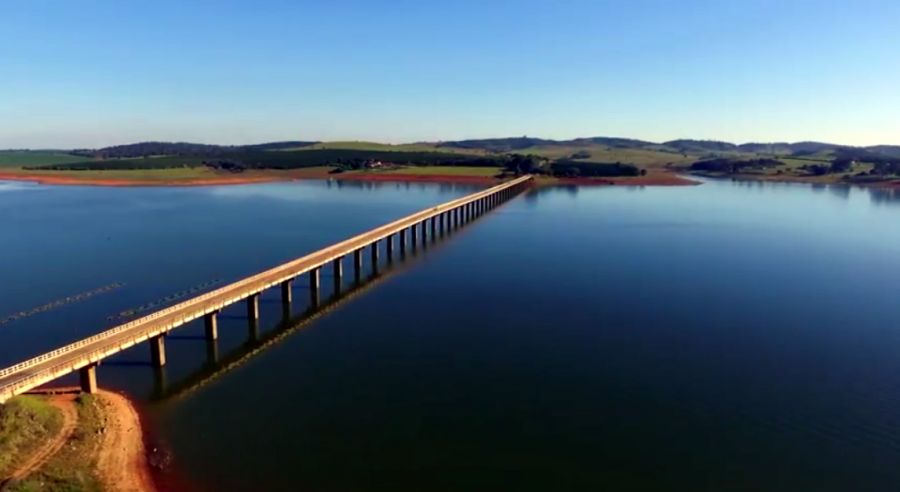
(29, 374)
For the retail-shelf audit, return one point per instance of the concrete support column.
(357, 265)
(373, 248)
(424, 235)
(413, 236)
(337, 267)
(403, 242)
(389, 246)
(314, 286)
(287, 297)
(253, 308)
(441, 222)
(88, 377)
(158, 350)
(433, 228)
(211, 325)
(212, 352)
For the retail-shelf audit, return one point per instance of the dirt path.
(66, 406)
(121, 460)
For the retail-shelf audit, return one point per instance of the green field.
(72, 467)
(443, 171)
(25, 423)
(19, 158)
(604, 154)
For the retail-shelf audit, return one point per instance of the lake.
(728, 336)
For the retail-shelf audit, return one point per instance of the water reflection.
(885, 196)
(216, 365)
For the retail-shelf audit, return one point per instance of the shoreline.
(890, 183)
(121, 460)
(652, 179)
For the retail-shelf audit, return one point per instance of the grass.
(602, 153)
(19, 158)
(71, 468)
(25, 422)
(444, 171)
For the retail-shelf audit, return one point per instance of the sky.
(77, 73)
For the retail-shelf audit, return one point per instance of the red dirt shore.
(652, 179)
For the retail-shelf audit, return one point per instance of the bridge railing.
(304, 263)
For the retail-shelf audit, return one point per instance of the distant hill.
(683, 146)
(498, 144)
(146, 149)
(700, 146)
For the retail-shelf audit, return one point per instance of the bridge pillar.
(389, 245)
(357, 265)
(287, 297)
(337, 267)
(211, 325)
(441, 222)
(314, 287)
(212, 352)
(424, 234)
(433, 228)
(374, 252)
(88, 378)
(403, 242)
(253, 308)
(158, 350)
(413, 236)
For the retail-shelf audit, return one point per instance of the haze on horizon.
(94, 73)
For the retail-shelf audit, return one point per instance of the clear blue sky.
(93, 73)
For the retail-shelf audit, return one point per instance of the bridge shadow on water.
(218, 365)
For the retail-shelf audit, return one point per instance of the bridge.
(85, 355)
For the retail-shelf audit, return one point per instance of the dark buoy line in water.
(61, 302)
(160, 302)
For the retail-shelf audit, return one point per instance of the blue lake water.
(728, 336)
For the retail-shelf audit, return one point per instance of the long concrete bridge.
(84, 355)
